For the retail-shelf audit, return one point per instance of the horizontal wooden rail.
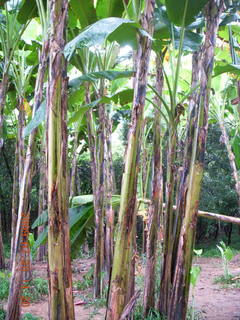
(205, 214)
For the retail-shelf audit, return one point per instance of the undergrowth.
(86, 282)
(229, 282)
(38, 288)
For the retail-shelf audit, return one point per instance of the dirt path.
(211, 301)
(214, 302)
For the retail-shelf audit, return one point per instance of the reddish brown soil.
(214, 302)
(211, 301)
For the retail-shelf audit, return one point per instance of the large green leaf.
(227, 68)
(175, 10)
(41, 219)
(94, 35)
(93, 76)
(81, 219)
(109, 8)
(125, 34)
(81, 200)
(84, 10)
(123, 97)
(28, 11)
(39, 117)
(236, 150)
(78, 115)
(192, 41)
(41, 239)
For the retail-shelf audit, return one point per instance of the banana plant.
(228, 120)
(193, 167)
(10, 34)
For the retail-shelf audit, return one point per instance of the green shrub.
(86, 282)
(153, 314)
(29, 316)
(4, 285)
(2, 313)
(37, 289)
(41, 285)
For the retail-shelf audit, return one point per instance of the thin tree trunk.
(3, 93)
(2, 260)
(100, 208)
(166, 277)
(156, 205)
(74, 167)
(123, 254)
(181, 283)
(184, 179)
(13, 310)
(42, 200)
(97, 194)
(60, 274)
(231, 157)
(109, 192)
(18, 172)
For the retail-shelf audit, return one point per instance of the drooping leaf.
(39, 117)
(41, 220)
(228, 18)
(123, 97)
(126, 34)
(192, 41)
(93, 76)
(227, 68)
(81, 200)
(175, 10)
(41, 239)
(94, 35)
(76, 96)
(78, 115)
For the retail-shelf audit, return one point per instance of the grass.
(2, 313)
(87, 281)
(29, 316)
(154, 314)
(4, 285)
(197, 314)
(38, 288)
(228, 282)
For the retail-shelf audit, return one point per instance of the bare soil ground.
(212, 302)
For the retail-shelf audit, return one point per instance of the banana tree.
(157, 198)
(196, 137)
(13, 310)
(10, 35)
(95, 70)
(228, 120)
(121, 290)
(22, 75)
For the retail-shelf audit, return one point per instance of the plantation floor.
(212, 302)
(215, 301)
